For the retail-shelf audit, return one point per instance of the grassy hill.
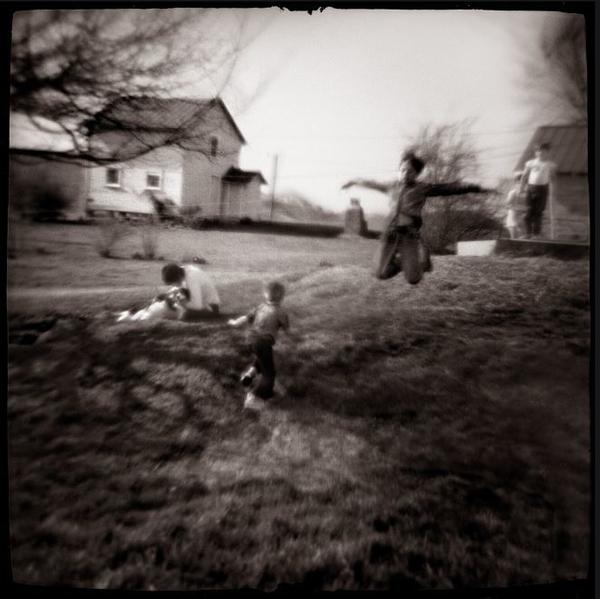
(434, 436)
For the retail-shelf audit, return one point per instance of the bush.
(453, 219)
(190, 217)
(149, 236)
(110, 232)
(48, 204)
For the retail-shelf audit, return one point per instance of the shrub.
(453, 219)
(149, 236)
(190, 216)
(110, 232)
(48, 203)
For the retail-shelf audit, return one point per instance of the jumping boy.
(265, 320)
(401, 234)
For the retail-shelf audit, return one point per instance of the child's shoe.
(248, 376)
(252, 402)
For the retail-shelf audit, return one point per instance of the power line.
(398, 137)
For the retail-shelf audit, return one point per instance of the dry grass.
(434, 436)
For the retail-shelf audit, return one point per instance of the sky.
(338, 94)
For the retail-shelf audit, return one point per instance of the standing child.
(512, 205)
(538, 182)
(265, 321)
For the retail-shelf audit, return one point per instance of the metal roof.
(568, 148)
(238, 175)
(158, 114)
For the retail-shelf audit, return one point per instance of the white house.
(199, 173)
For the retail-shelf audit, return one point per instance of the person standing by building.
(512, 207)
(538, 182)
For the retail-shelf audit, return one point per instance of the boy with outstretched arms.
(401, 233)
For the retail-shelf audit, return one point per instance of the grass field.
(434, 436)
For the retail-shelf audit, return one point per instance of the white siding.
(200, 168)
(166, 161)
(251, 200)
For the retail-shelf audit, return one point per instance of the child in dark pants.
(265, 321)
(400, 245)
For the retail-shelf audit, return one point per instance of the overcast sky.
(341, 92)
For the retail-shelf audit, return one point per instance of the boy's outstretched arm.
(237, 322)
(369, 184)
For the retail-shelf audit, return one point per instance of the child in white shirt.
(203, 295)
(538, 180)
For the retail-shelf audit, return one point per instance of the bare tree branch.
(74, 67)
(554, 75)
(448, 151)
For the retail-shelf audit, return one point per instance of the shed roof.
(238, 175)
(568, 147)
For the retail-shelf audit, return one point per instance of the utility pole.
(275, 159)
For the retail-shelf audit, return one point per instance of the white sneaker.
(247, 376)
(254, 403)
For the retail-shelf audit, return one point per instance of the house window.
(153, 180)
(214, 146)
(113, 177)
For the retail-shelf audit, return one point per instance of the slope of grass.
(434, 436)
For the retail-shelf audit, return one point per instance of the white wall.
(167, 162)
(202, 173)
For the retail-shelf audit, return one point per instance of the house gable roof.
(158, 114)
(568, 148)
(237, 175)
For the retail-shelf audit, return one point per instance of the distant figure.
(355, 219)
(512, 207)
(265, 320)
(165, 306)
(203, 293)
(401, 247)
(538, 182)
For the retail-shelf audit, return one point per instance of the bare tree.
(451, 155)
(93, 71)
(448, 151)
(555, 71)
